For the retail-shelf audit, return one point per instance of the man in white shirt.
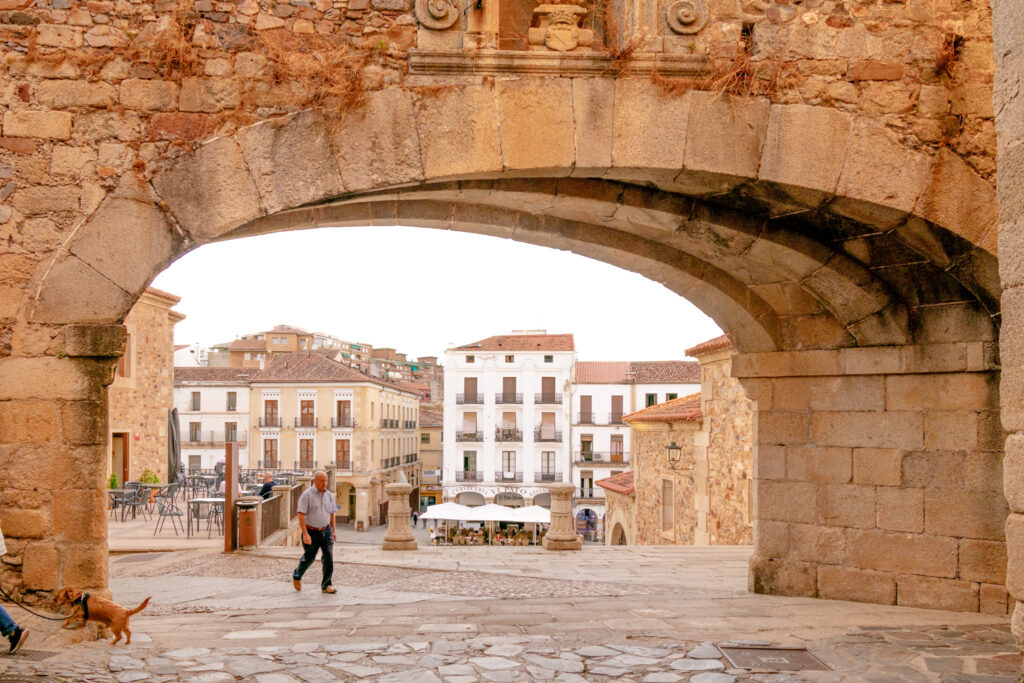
(316, 510)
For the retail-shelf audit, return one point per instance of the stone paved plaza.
(497, 614)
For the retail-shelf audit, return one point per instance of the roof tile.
(217, 375)
(683, 409)
(716, 344)
(307, 366)
(665, 371)
(619, 483)
(522, 342)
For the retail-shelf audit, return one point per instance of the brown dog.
(94, 608)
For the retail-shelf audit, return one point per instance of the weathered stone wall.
(651, 467)
(879, 479)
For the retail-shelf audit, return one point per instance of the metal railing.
(505, 435)
(296, 492)
(410, 457)
(548, 399)
(609, 457)
(508, 399)
(307, 422)
(211, 438)
(339, 422)
(469, 476)
(388, 463)
(508, 476)
(547, 476)
(470, 399)
(410, 424)
(345, 465)
(589, 494)
(469, 436)
(592, 418)
(541, 434)
(269, 421)
(585, 418)
(615, 418)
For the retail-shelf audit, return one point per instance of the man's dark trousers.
(324, 542)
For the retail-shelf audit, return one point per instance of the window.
(549, 359)
(270, 418)
(508, 461)
(650, 400)
(342, 454)
(617, 451)
(547, 462)
(195, 431)
(586, 410)
(231, 431)
(587, 446)
(306, 461)
(666, 505)
(670, 397)
(424, 438)
(232, 401)
(195, 400)
(270, 452)
(510, 359)
(306, 418)
(124, 363)
(469, 461)
(470, 359)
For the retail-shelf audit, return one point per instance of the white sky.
(419, 290)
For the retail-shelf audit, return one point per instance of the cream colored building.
(308, 411)
(432, 456)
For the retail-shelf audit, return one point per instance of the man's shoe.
(18, 639)
(329, 589)
(297, 583)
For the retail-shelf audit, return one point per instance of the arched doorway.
(587, 524)
(619, 535)
(509, 499)
(543, 500)
(470, 498)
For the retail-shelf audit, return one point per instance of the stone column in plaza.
(562, 534)
(399, 535)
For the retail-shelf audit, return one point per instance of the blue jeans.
(324, 542)
(7, 624)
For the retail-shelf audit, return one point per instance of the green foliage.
(112, 484)
(149, 477)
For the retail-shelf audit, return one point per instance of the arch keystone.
(378, 144)
(536, 123)
(458, 132)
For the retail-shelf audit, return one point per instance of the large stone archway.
(852, 264)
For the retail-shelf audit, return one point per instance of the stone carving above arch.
(687, 16)
(438, 14)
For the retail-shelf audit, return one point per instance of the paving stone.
(704, 651)
(217, 677)
(596, 651)
(712, 678)
(662, 677)
(447, 628)
(507, 650)
(460, 679)
(305, 647)
(609, 671)
(500, 676)
(419, 647)
(398, 649)
(274, 678)
(347, 657)
(406, 660)
(539, 673)
(415, 676)
(696, 665)
(356, 647)
(625, 660)
(212, 666)
(357, 670)
(256, 633)
(132, 676)
(564, 665)
(641, 651)
(122, 663)
(570, 678)
(571, 655)
(494, 663)
(251, 665)
(314, 674)
(187, 653)
(434, 661)
(456, 670)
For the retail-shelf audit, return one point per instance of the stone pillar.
(332, 478)
(562, 534)
(305, 482)
(285, 492)
(399, 535)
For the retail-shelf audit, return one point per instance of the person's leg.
(327, 558)
(7, 625)
(308, 556)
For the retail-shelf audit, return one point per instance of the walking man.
(316, 521)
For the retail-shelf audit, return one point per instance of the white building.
(602, 392)
(506, 418)
(213, 408)
(190, 356)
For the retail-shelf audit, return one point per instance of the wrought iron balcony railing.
(344, 421)
(471, 399)
(547, 476)
(469, 436)
(508, 399)
(542, 434)
(270, 421)
(507, 435)
(306, 422)
(547, 399)
(603, 457)
(469, 476)
(508, 476)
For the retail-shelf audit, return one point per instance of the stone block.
(787, 501)
(29, 421)
(934, 469)
(890, 429)
(777, 427)
(209, 95)
(40, 199)
(147, 95)
(994, 599)
(75, 293)
(903, 553)
(48, 378)
(55, 35)
(972, 99)
(805, 146)
(78, 515)
(39, 566)
(829, 393)
(858, 585)
(782, 577)
(786, 364)
(847, 505)
(933, 593)
(21, 523)
(594, 120)
(813, 543)
(1015, 554)
(69, 94)
(983, 471)
(83, 423)
(899, 509)
(771, 539)
(377, 144)
(819, 464)
(770, 462)
(983, 561)
(970, 514)
(649, 126)
(1013, 472)
(537, 136)
(291, 160)
(182, 126)
(98, 341)
(878, 466)
(950, 430)
(1011, 383)
(74, 161)
(54, 125)
(869, 361)
(958, 199)
(941, 392)
(871, 70)
(84, 565)
(458, 132)
(713, 118)
(210, 191)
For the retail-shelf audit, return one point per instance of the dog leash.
(41, 616)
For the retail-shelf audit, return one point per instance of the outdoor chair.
(210, 512)
(136, 500)
(166, 508)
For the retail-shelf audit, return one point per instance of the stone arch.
(542, 499)
(470, 498)
(618, 536)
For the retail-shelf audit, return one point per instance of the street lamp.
(675, 452)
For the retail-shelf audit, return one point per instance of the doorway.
(120, 462)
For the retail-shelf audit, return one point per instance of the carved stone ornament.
(557, 27)
(437, 14)
(760, 10)
(687, 16)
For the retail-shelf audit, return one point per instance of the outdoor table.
(149, 487)
(197, 501)
(116, 497)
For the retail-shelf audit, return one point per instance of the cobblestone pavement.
(225, 618)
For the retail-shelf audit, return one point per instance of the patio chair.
(211, 512)
(166, 508)
(136, 500)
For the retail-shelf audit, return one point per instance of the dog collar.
(83, 600)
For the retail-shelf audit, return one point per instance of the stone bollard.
(562, 533)
(284, 516)
(332, 478)
(399, 535)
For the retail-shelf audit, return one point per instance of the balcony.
(469, 476)
(508, 399)
(210, 438)
(343, 422)
(608, 458)
(508, 435)
(410, 424)
(548, 399)
(270, 421)
(593, 418)
(388, 423)
(469, 436)
(596, 493)
(547, 435)
(345, 465)
(508, 476)
(469, 399)
(310, 422)
(615, 418)
(547, 476)
(410, 457)
(388, 463)
(585, 418)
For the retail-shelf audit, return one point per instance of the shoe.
(329, 589)
(297, 583)
(18, 638)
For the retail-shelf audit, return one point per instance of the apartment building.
(506, 418)
(213, 409)
(308, 411)
(432, 456)
(602, 394)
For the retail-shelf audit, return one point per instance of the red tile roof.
(287, 329)
(716, 344)
(601, 372)
(684, 409)
(306, 366)
(522, 342)
(213, 375)
(248, 345)
(665, 371)
(429, 418)
(619, 483)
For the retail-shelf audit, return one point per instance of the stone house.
(142, 390)
(690, 482)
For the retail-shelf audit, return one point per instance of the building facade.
(506, 418)
(141, 393)
(213, 409)
(432, 456)
(308, 411)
